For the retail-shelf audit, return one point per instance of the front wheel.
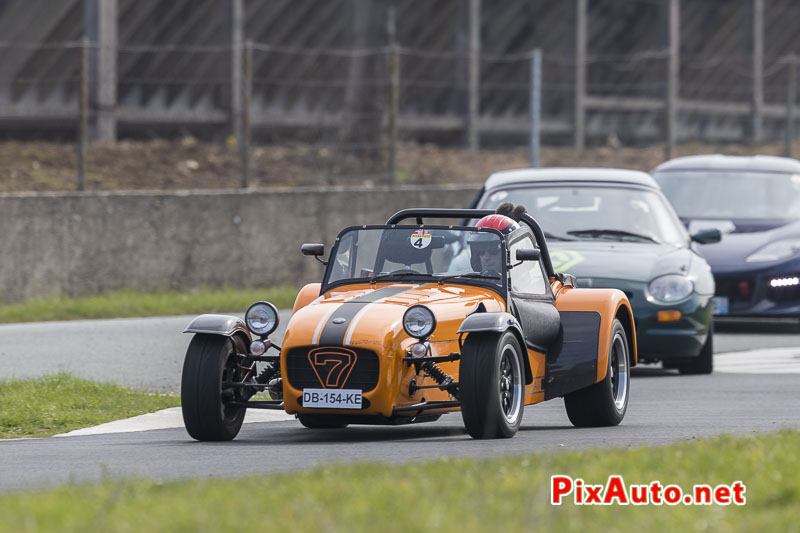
(208, 413)
(604, 403)
(492, 385)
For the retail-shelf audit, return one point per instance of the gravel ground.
(188, 163)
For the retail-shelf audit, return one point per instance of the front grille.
(739, 290)
(337, 367)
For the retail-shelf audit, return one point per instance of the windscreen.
(732, 195)
(413, 253)
(573, 212)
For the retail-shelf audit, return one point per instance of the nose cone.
(365, 315)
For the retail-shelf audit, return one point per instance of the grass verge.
(463, 495)
(59, 403)
(135, 304)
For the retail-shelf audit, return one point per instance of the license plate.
(332, 398)
(719, 305)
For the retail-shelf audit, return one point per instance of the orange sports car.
(414, 320)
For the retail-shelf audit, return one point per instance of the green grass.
(134, 304)
(461, 495)
(59, 403)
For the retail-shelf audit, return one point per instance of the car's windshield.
(589, 212)
(732, 194)
(408, 252)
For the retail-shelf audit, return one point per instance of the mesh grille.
(730, 287)
(336, 368)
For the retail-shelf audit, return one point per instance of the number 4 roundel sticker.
(421, 238)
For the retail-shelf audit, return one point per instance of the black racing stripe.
(380, 293)
(333, 334)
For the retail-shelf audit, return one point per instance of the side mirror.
(313, 249)
(531, 254)
(707, 236)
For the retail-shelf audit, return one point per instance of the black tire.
(207, 417)
(491, 380)
(321, 421)
(604, 403)
(704, 362)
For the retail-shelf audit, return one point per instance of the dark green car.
(614, 228)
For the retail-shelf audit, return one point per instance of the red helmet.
(480, 242)
(502, 223)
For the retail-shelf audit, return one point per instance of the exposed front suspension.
(429, 367)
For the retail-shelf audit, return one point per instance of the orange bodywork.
(307, 294)
(377, 326)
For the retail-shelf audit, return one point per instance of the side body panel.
(535, 391)
(581, 309)
(571, 362)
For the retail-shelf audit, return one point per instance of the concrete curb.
(165, 419)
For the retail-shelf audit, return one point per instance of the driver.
(489, 256)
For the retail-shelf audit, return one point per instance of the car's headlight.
(261, 318)
(670, 288)
(775, 251)
(419, 321)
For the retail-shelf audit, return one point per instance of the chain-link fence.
(349, 81)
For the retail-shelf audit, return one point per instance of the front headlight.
(261, 318)
(775, 251)
(419, 321)
(670, 288)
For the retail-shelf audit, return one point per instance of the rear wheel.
(208, 413)
(604, 403)
(321, 421)
(492, 385)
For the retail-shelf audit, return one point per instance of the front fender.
(498, 322)
(225, 325)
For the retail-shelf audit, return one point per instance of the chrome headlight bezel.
(419, 321)
(670, 288)
(775, 251)
(267, 313)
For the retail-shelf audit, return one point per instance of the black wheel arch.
(242, 338)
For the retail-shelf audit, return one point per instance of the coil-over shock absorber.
(434, 371)
(442, 379)
(266, 378)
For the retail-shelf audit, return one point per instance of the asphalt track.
(664, 407)
(148, 352)
(138, 352)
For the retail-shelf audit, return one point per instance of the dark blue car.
(755, 202)
(613, 228)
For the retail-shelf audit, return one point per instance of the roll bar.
(419, 213)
